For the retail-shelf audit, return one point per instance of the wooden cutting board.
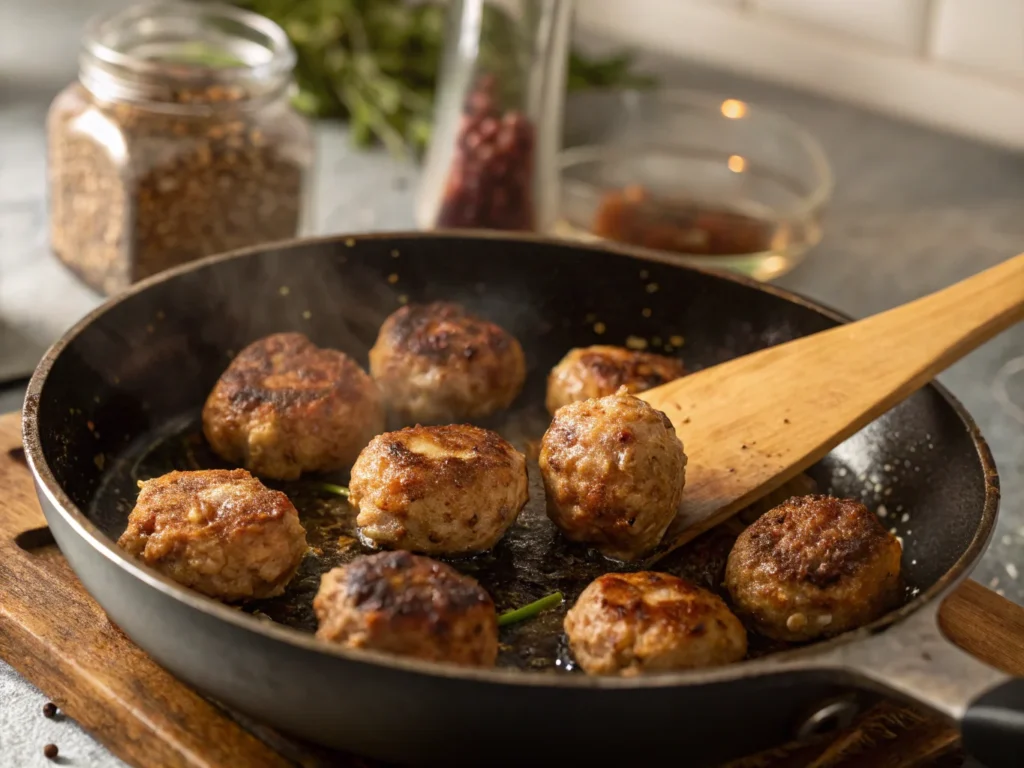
(57, 637)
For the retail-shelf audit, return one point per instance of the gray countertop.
(914, 210)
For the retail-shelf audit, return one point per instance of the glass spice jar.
(177, 141)
(491, 163)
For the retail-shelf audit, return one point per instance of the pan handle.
(915, 660)
(993, 725)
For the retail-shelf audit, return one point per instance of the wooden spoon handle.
(928, 335)
(752, 423)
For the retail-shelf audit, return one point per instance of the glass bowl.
(707, 179)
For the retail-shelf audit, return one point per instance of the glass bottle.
(492, 159)
(177, 141)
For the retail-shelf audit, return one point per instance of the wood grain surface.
(790, 404)
(56, 636)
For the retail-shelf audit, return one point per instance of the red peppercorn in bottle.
(489, 183)
(492, 158)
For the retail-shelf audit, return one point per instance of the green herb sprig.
(337, 490)
(530, 610)
(375, 63)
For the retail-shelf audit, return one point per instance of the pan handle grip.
(993, 726)
(914, 660)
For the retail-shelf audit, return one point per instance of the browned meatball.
(599, 371)
(219, 531)
(408, 605)
(450, 490)
(632, 623)
(284, 406)
(813, 566)
(614, 472)
(438, 363)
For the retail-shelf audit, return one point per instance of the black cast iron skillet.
(116, 399)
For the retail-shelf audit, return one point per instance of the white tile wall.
(955, 64)
(958, 64)
(899, 23)
(39, 39)
(988, 35)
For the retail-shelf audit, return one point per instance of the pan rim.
(797, 658)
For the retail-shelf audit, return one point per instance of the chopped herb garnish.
(337, 490)
(530, 610)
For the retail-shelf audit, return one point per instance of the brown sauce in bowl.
(633, 216)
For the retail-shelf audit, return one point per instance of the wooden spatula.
(753, 423)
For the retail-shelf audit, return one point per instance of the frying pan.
(116, 398)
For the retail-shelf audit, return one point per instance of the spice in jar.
(634, 216)
(179, 150)
(490, 182)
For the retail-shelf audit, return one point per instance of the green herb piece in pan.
(530, 610)
(337, 490)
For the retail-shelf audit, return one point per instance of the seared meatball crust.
(285, 406)
(812, 567)
(408, 605)
(614, 472)
(219, 531)
(633, 623)
(599, 371)
(437, 363)
(450, 490)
